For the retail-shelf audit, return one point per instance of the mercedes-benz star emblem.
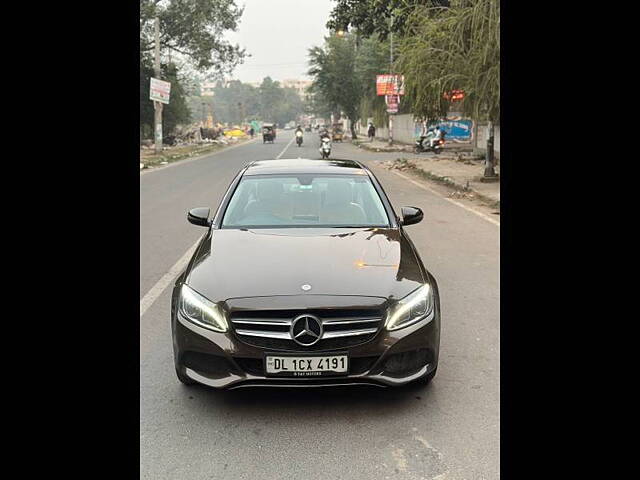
(306, 287)
(306, 330)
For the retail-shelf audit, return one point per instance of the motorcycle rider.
(438, 135)
(325, 142)
(427, 133)
(324, 133)
(298, 134)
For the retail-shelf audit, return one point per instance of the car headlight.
(411, 309)
(201, 311)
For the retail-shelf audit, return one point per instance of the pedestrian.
(371, 132)
(252, 131)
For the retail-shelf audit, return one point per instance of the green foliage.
(344, 73)
(235, 102)
(372, 59)
(175, 113)
(195, 29)
(336, 84)
(376, 17)
(455, 48)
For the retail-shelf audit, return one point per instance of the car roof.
(305, 165)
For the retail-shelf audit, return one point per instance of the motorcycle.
(299, 138)
(325, 148)
(436, 148)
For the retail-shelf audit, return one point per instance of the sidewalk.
(456, 167)
(380, 145)
(149, 159)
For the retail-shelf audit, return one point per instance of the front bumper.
(221, 360)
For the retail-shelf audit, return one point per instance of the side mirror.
(411, 215)
(199, 216)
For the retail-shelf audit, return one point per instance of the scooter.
(422, 146)
(325, 147)
(299, 138)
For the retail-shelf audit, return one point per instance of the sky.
(278, 35)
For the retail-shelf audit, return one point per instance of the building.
(206, 89)
(300, 86)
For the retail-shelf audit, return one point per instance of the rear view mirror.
(199, 216)
(411, 215)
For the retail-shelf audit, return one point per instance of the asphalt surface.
(448, 430)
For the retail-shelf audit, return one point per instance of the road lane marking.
(152, 295)
(200, 157)
(424, 187)
(155, 292)
(285, 148)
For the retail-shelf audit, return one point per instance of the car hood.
(377, 262)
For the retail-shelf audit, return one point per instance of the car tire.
(183, 378)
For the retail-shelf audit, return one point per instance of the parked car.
(305, 277)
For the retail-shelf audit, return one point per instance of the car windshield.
(268, 201)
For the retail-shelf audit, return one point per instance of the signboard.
(458, 129)
(390, 84)
(159, 90)
(393, 103)
(454, 95)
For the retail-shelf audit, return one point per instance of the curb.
(186, 160)
(447, 181)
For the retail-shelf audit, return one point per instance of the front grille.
(341, 328)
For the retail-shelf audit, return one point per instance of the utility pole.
(157, 105)
(489, 171)
(391, 73)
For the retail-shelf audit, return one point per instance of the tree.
(271, 95)
(372, 59)
(332, 68)
(193, 28)
(234, 101)
(175, 113)
(456, 48)
(377, 17)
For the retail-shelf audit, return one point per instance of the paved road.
(450, 430)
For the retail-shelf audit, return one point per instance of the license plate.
(306, 366)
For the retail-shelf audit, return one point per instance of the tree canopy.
(377, 17)
(457, 48)
(234, 102)
(191, 32)
(336, 83)
(193, 28)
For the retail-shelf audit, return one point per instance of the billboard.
(390, 84)
(393, 103)
(458, 129)
(159, 90)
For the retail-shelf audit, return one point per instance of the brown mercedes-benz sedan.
(305, 277)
